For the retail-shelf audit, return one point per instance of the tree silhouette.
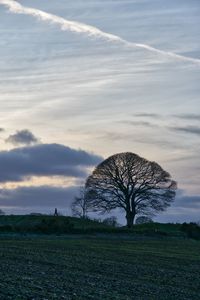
(81, 205)
(132, 183)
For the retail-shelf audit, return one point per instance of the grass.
(96, 267)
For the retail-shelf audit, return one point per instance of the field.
(101, 266)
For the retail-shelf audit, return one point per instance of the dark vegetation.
(44, 224)
(192, 230)
(48, 224)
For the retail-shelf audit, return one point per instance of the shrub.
(143, 220)
(192, 230)
(110, 221)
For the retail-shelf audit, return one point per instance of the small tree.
(132, 183)
(81, 205)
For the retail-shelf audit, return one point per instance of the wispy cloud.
(147, 115)
(195, 117)
(190, 129)
(78, 27)
(138, 123)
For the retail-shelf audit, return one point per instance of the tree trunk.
(130, 216)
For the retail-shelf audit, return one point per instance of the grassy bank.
(64, 225)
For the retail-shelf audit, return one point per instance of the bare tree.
(81, 205)
(132, 183)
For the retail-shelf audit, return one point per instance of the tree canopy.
(132, 183)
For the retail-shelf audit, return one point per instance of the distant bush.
(143, 220)
(110, 221)
(98, 220)
(192, 230)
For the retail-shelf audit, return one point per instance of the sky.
(83, 80)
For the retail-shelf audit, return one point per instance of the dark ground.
(99, 267)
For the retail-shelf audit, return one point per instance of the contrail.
(77, 27)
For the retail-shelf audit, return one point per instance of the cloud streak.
(91, 31)
(188, 129)
(194, 117)
(147, 115)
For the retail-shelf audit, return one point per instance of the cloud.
(22, 137)
(139, 123)
(188, 129)
(148, 115)
(41, 196)
(77, 27)
(185, 208)
(189, 116)
(186, 201)
(45, 160)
